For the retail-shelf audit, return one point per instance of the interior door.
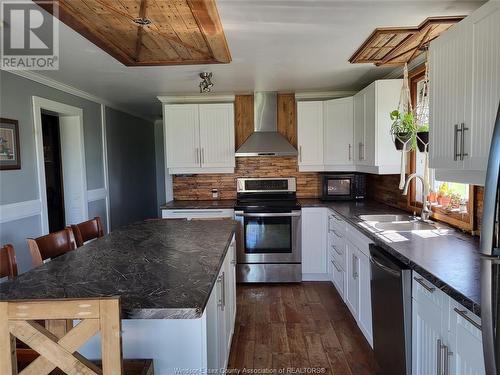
(73, 168)
(310, 132)
(217, 135)
(182, 135)
(339, 131)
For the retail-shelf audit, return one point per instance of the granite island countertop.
(449, 260)
(161, 269)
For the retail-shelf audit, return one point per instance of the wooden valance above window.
(392, 46)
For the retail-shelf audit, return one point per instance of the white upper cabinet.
(182, 135)
(217, 135)
(374, 149)
(199, 138)
(310, 133)
(350, 134)
(464, 95)
(338, 132)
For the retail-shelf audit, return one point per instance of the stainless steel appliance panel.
(293, 255)
(391, 312)
(490, 263)
(269, 273)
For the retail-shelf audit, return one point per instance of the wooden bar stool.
(88, 230)
(51, 245)
(8, 265)
(18, 320)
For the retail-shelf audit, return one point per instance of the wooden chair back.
(8, 265)
(88, 230)
(51, 245)
(18, 319)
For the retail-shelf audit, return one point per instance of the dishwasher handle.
(377, 263)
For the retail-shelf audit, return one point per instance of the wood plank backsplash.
(199, 187)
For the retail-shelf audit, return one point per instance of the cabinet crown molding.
(194, 99)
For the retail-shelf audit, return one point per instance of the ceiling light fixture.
(141, 21)
(206, 82)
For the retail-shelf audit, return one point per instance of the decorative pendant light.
(206, 83)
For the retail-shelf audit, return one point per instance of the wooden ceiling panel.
(173, 32)
(397, 46)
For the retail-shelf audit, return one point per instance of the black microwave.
(343, 186)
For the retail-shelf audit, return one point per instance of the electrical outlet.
(215, 194)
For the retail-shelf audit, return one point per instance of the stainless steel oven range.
(269, 231)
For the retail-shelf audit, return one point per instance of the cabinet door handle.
(455, 140)
(354, 267)
(462, 141)
(439, 357)
(197, 155)
(420, 280)
(223, 291)
(447, 354)
(300, 153)
(221, 283)
(350, 152)
(360, 155)
(463, 314)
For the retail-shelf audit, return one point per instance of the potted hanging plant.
(403, 129)
(422, 137)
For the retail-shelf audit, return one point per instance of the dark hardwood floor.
(297, 326)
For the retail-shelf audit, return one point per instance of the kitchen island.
(175, 279)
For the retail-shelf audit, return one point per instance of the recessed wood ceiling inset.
(180, 31)
(397, 46)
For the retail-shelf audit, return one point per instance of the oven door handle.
(269, 214)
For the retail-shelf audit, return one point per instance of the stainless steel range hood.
(266, 141)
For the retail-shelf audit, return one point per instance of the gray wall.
(16, 103)
(160, 164)
(22, 185)
(131, 160)
(131, 168)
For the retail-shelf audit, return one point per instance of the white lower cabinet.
(221, 313)
(465, 341)
(190, 213)
(444, 339)
(350, 270)
(352, 287)
(314, 243)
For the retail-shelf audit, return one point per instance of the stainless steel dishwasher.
(391, 312)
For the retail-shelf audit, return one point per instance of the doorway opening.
(60, 151)
(53, 172)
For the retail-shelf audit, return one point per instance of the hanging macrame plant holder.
(404, 140)
(421, 119)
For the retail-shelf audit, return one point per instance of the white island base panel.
(177, 346)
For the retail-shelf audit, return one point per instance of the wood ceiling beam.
(207, 17)
(140, 29)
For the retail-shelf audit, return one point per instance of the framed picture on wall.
(10, 154)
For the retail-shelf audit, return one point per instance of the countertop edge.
(458, 296)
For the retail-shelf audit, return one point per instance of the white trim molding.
(105, 165)
(20, 210)
(40, 104)
(202, 98)
(39, 78)
(96, 194)
(322, 95)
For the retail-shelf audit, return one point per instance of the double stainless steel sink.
(398, 223)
